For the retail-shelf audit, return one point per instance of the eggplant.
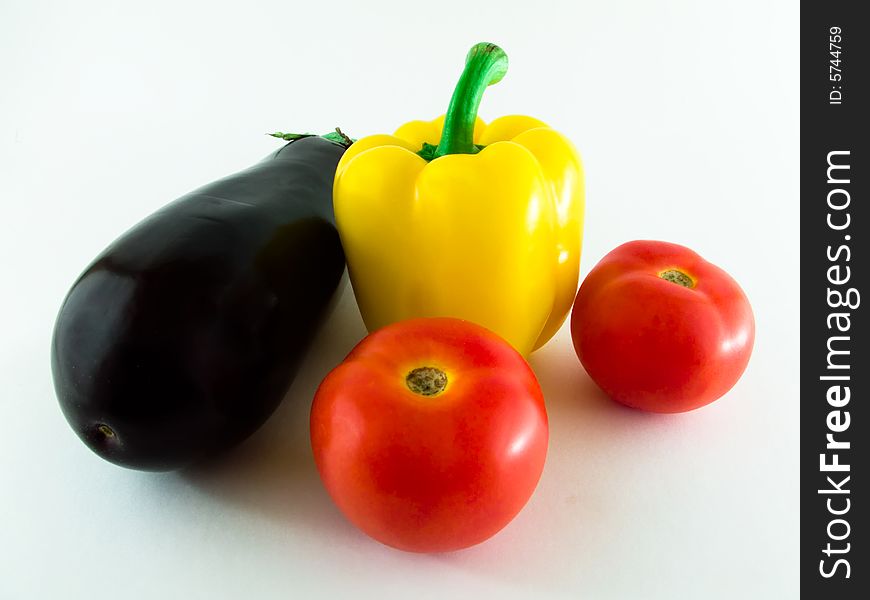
(183, 336)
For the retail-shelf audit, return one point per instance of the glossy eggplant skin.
(183, 336)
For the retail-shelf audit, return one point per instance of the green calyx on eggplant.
(183, 336)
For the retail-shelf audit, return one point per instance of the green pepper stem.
(485, 65)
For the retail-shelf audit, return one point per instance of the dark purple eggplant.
(183, 336)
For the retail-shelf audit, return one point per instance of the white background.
(686, 114)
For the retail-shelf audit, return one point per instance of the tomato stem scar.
(677, 277)
(426, 381)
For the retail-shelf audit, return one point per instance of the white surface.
(686, 114)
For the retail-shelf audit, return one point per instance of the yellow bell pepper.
(454, 217)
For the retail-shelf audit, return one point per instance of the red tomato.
(431, 435)
(660, 329)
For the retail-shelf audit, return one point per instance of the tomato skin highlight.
(430, 473)
(657, 345)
